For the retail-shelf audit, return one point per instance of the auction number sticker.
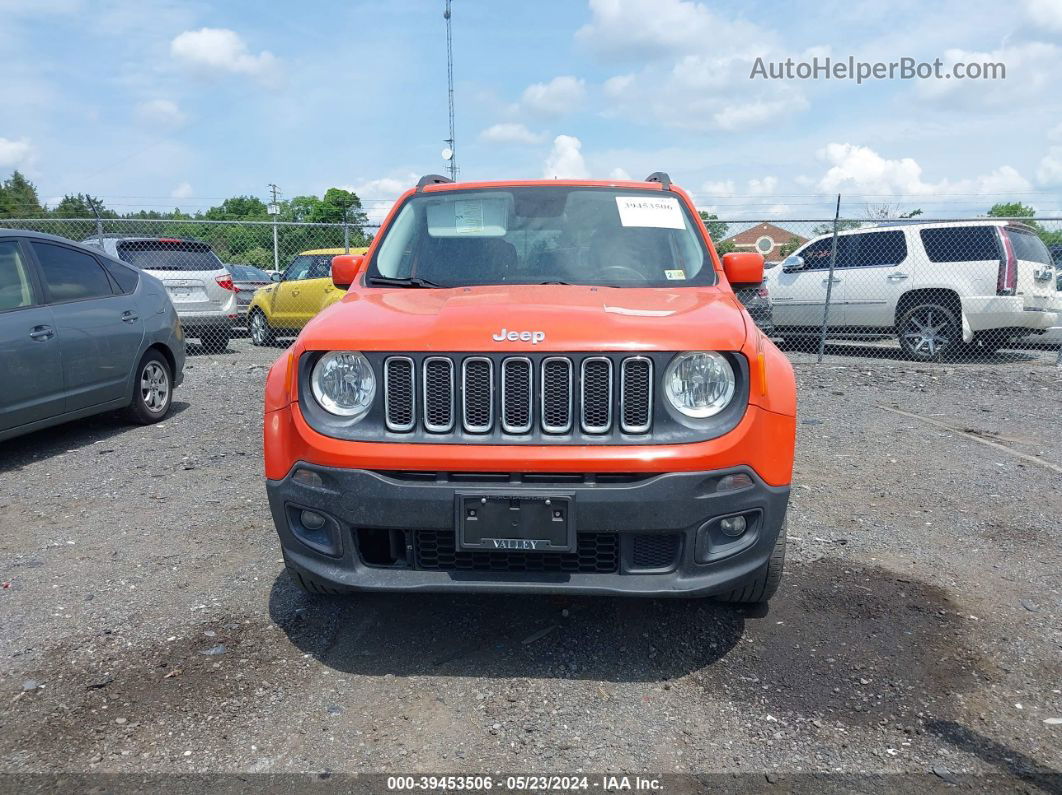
(661, 213)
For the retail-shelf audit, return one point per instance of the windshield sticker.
(468, 217)
(661, 213)
(673, 275)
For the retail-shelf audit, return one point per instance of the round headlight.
(343, 383)
(699, 384)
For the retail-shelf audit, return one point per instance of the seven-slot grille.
(484, 392)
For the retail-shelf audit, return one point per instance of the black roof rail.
(661, 177)
(431, 179)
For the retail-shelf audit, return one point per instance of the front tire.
(764, 585)
(152, 390)
(260, 331)
(926, 331)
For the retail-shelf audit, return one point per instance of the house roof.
(749, 236)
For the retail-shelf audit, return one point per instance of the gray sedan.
(81, 333)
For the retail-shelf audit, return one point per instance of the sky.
(152, 104)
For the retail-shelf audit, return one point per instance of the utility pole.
(274, 210)
(450, 86)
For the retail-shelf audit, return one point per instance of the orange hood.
(550, 318)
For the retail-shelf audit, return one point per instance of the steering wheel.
(628, 274)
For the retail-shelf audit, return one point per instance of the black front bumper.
(651, 535)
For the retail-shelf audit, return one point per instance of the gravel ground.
(148, 624)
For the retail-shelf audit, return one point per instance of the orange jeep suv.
(535, 386)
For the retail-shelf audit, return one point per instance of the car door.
(287, 295)
(30, 363)
(313, 290)
(799, 294)
(876, 270)
(99, 328)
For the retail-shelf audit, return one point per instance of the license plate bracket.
(538, 522)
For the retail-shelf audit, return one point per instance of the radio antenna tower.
(449, 152)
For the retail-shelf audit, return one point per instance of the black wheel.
(216, 340)
(261, 332)
(152, 390)
(763, 586)
(307, 583)
(927, 330)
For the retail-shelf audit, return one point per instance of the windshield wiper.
(413, 281)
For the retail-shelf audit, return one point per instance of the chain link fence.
(983, 290)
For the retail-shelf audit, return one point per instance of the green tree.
(18, 198)
(238, 208)
(827, 228)
(716, 228)
(789, 246)
(81, 206)
(1011, 210)
(725, 247)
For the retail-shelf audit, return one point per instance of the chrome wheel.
(259, 332)
(928, 331)
(154, 387)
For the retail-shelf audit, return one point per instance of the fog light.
(312, 520)
(733, 526)
(307, 477)
(734, 482)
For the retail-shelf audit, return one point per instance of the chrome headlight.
(699, 384)
(343, 383)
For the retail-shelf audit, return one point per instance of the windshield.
(247, 273)
(169, 255)
(544, 235)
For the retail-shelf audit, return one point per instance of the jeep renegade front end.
(535, 387)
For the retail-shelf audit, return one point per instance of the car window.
(169, 254)
(1027, 246)
(247, 273)
(71, 275)
(321, 268)
(125, 277)
(816, 254)
(16, 290)
(960, 243)
(545, 234)
(872, 250)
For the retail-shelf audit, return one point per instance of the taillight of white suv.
(1007, 280)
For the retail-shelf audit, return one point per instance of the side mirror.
(792, 263)
(276, 276)
(743, 268)
(345, 269)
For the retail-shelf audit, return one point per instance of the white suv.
(199, 285)
(932, 285)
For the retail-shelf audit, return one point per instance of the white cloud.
(1045, 12)
(756, 114)
(1033, 72)
(640, 29)
(861, 170)
(379, 195)
(559, 96)
(727, 189)
(16, 154)
(220, 50)
(1049, 172)
(684, 82)
(565, 160)
(162, 112)
(182, 191)
(619, 174)
(763, 187)
(511, 133)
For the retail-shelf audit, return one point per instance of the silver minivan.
(199, 285)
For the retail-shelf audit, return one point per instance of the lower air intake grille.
(655, 551)
(597, 553)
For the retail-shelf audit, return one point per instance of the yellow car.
(302, 290)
